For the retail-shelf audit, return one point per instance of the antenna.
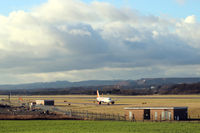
(9, 97)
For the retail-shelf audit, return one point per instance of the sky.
(75, 40)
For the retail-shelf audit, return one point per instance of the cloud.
(188, 31)
(190, 19)
(73, 40)
(181, 2)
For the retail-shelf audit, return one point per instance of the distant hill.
(167, 81)
(59, 84)
(193, 88)
(134, 84)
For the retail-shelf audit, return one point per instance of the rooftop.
(127, 108)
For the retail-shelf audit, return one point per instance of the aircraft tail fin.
(98, 94)
(20, 99)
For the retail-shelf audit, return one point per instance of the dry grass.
(88, 102)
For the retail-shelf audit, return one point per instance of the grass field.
(66, 126)
(52, 126)
(129, 101)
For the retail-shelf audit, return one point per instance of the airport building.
(156, 113)
(45, 102)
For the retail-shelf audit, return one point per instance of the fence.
(94, 116)
(194, 118)
(84, 114)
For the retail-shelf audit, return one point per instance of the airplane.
(107, 100)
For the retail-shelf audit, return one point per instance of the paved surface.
(158, 97)
(91, 104)
(122, 97)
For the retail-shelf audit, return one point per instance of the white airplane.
(107, 100)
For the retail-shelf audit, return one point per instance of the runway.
(157, 97)
(123, 97)
(103, 104)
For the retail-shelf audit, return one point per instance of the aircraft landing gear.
(99, 103)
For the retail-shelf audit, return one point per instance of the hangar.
(156, 113)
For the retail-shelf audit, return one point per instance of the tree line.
(112, 90)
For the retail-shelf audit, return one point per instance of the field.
(96, 127)
(86, 102)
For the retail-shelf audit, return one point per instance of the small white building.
(45, 102)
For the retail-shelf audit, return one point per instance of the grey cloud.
(96, 36)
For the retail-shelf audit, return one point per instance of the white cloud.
(188, 31)
(155, 34)
(73, 40)
(190, 19)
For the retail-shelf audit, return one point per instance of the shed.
(45, 102)
(156, 113)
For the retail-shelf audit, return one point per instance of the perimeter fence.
(86, 115)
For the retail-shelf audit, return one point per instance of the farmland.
(52, 126)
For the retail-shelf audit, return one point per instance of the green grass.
(66, 126)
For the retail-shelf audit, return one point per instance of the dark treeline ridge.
(113, 90)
